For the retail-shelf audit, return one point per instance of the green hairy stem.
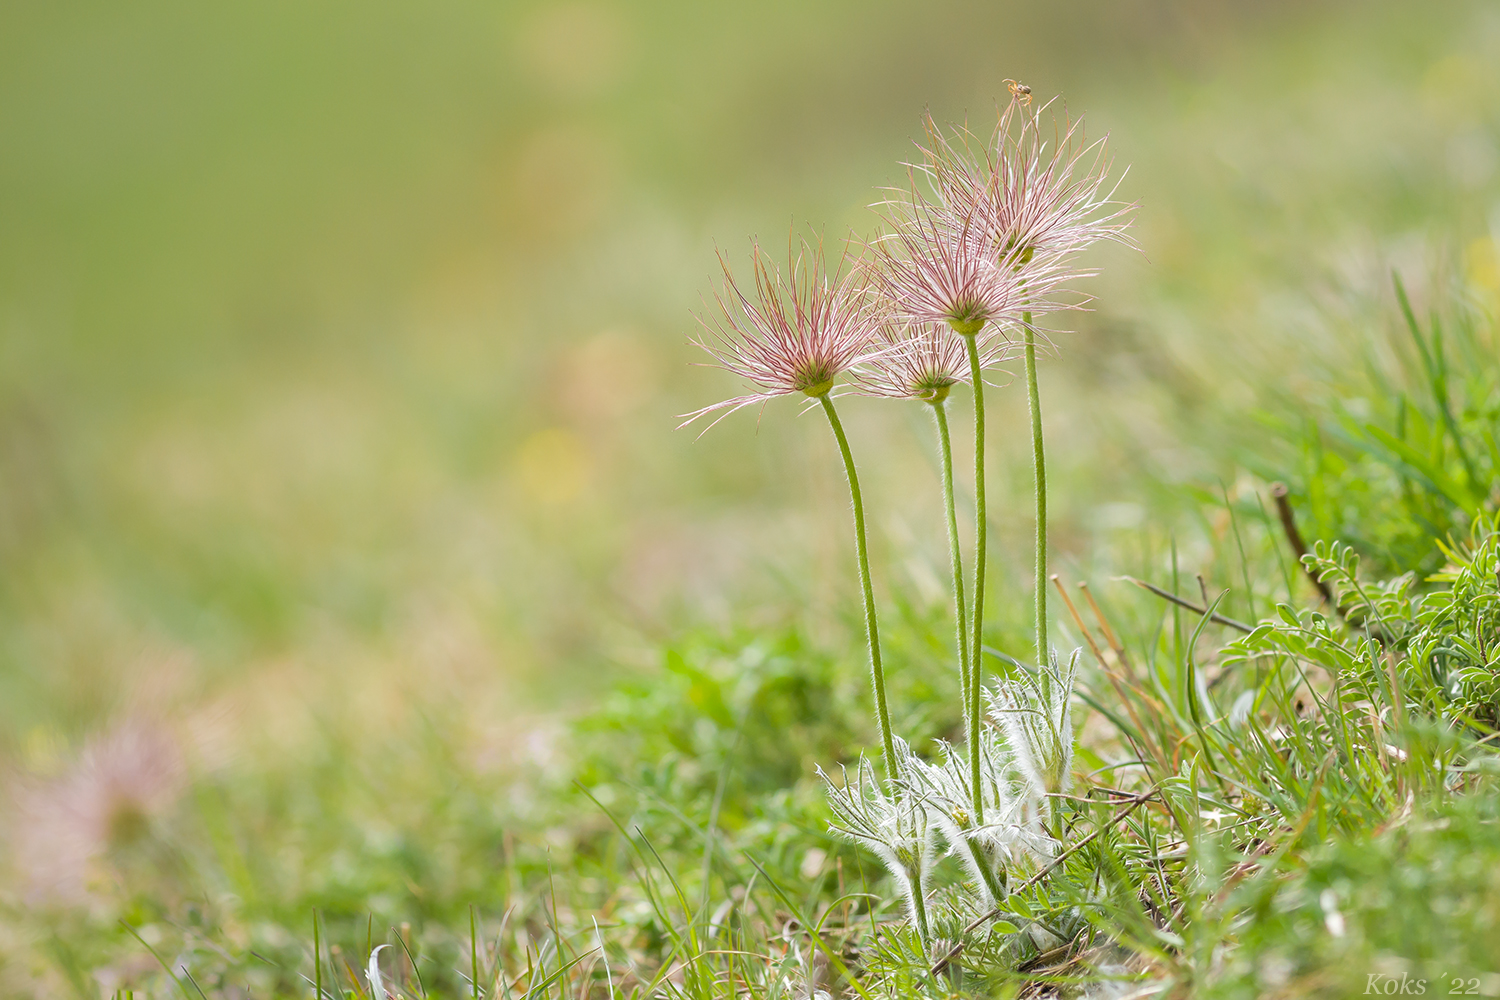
(939, 412)
(872, 627)
(919, 912)
(966, 666)
(976, 645)
(1039, 466)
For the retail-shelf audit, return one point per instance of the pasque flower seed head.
(922, 361)
(1045, 199)
(935, 265)
(795, 333)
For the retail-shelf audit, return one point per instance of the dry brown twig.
(940, 966)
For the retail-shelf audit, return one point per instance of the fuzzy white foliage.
(891, 822)
(980, 848)
(1011, 831)
(1035, 712)
(1026, 754)
(377, 983)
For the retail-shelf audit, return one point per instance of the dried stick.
(1109, 633)
(1294, 538)
(1183, 603)
(941, 965)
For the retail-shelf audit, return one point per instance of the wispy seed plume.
(936, 264)
(923, 361)
(793, 333)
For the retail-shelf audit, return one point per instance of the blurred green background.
(341, 343)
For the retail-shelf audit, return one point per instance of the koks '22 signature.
(1378, 984)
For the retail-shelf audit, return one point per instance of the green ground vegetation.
(357, 592)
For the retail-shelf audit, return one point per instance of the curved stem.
(976, 644)
(919, 910)
(872, 628)
(1039, 466)
(940, 413)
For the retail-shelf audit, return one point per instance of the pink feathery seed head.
(795, 334)
(1046, 198)
(936, 265)
(956, 165)
(110, 797)
(923, 361)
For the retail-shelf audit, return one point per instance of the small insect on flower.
(794, 335)
(1019, 91)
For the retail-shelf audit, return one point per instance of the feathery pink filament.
(1049, 198)
(796, 334)
(922, 361)
(936, 264)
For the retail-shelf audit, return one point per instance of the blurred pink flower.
(795, 335)
(120, 783)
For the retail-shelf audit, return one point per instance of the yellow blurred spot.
(1456, 86)
(575, 49)
(1482, 264)
(562, 180)
(42, 749)
(552, 466)
(607, 376)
